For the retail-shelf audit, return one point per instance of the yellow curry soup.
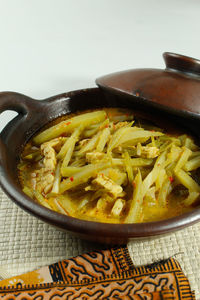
(109, 166)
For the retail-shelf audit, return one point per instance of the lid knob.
(182, 63)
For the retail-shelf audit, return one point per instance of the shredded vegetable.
(109, 166)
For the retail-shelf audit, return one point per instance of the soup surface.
(111, 166)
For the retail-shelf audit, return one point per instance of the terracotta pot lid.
(176, 87)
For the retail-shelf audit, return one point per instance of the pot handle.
(17, 102)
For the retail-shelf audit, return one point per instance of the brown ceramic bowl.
(33, 114)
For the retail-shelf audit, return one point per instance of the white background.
(52, 46)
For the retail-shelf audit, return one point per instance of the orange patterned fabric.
(108, 274)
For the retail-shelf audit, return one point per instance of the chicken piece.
(109, 185)
(45, 179)
(93, 156)
(101, 204)
(149, 152)
(46, 175)
(48, 149)
(142, 151)
(49, 158)
(117, 207)
(49, 180)
(33, 183)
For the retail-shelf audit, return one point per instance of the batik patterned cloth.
(107, 274)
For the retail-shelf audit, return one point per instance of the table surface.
(50, 47)
(27, 243)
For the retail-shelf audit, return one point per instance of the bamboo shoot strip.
(69, 125)
(183, 159)
(153, 175)
(164, 192)
(128, 166)
(68, 147)
(70, 142)
(192, 164)
(135, 162)
(41, 199)
(82, 176)
(90, 145)
(135, 207)
(69, 171)
(130, 135)
(187, 181)
(192, 197)
(103, 139)
(56, 183)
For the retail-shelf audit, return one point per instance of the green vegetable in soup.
(107, 166)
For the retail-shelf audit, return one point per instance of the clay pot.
(167, 96)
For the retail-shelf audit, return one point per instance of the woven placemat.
(27, 243)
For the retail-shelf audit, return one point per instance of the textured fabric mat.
(27, 243)
(106, 274)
